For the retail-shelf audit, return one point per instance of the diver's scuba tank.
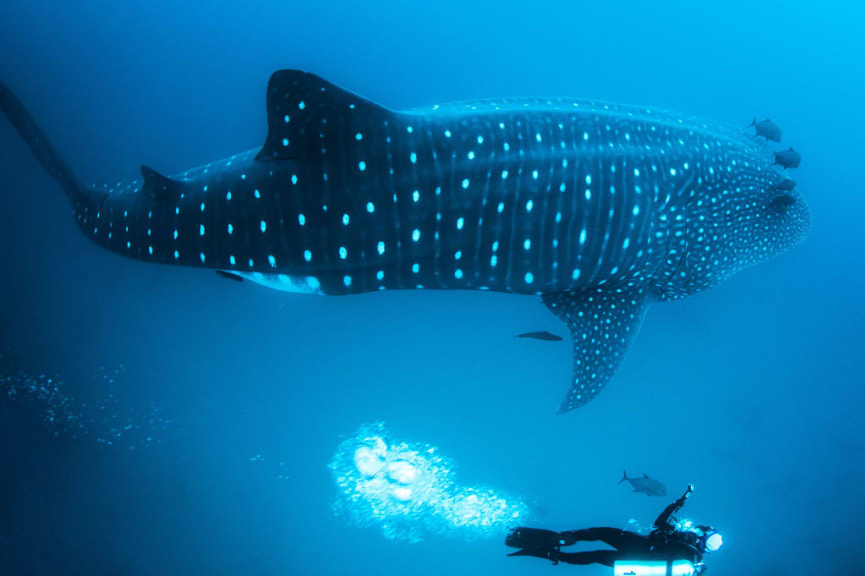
(654, 568)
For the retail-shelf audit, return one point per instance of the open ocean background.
(237, 397)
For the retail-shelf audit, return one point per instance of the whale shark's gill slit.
(603, 324)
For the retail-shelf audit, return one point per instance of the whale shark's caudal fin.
(42, 148)
(603, 324)
(308, 117)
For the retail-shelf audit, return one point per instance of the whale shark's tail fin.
(624, 477)
(40, 145)
(310, 118)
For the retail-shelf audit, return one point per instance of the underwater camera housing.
(654, 568)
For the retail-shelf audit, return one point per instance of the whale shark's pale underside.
(598, 208)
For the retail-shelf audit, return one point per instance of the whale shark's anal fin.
(158, 186)
(603, 324)
(308, 117)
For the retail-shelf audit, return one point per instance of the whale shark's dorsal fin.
(158, 186)
(603, 324)
(307, 116)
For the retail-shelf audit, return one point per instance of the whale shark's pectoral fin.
(603, 324)
(308, 117)
(158, 186)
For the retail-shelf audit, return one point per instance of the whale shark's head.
(764, 222)
(741, 217)
(782, 223)
(759, 220)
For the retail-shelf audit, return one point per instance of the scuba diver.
(671, 548)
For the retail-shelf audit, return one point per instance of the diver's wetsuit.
(631, 546)
(664, 542)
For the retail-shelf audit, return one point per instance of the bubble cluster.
(101, 420)
(280, 469)
(409, 491)
(639, 527)
(635, 525)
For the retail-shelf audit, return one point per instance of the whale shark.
(599, 209)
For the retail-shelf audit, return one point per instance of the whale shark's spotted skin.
(599, 208)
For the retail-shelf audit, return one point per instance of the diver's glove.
(683, 497)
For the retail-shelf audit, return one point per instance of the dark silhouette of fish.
(788, 158)
(782, 199)
(767, 129)
(542, 335)
(229, 276)
(783, 186)
(782, 193)
(645, 485)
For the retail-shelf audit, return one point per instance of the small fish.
(783, 186)
(782, 193)
(767, 129)
(542, 335)
(782, 199)
(788, 158)
(645, 485)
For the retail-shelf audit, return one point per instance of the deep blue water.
(751, 390)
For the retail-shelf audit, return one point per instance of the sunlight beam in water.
(409, 491)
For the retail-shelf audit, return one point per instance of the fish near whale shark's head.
(744, 210)
(787, 220)
(764, 220)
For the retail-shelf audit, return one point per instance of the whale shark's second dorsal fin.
(308, 116)
(158, 186)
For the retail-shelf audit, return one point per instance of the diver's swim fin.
(548, 553)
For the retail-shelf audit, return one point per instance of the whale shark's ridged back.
(592, 111)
